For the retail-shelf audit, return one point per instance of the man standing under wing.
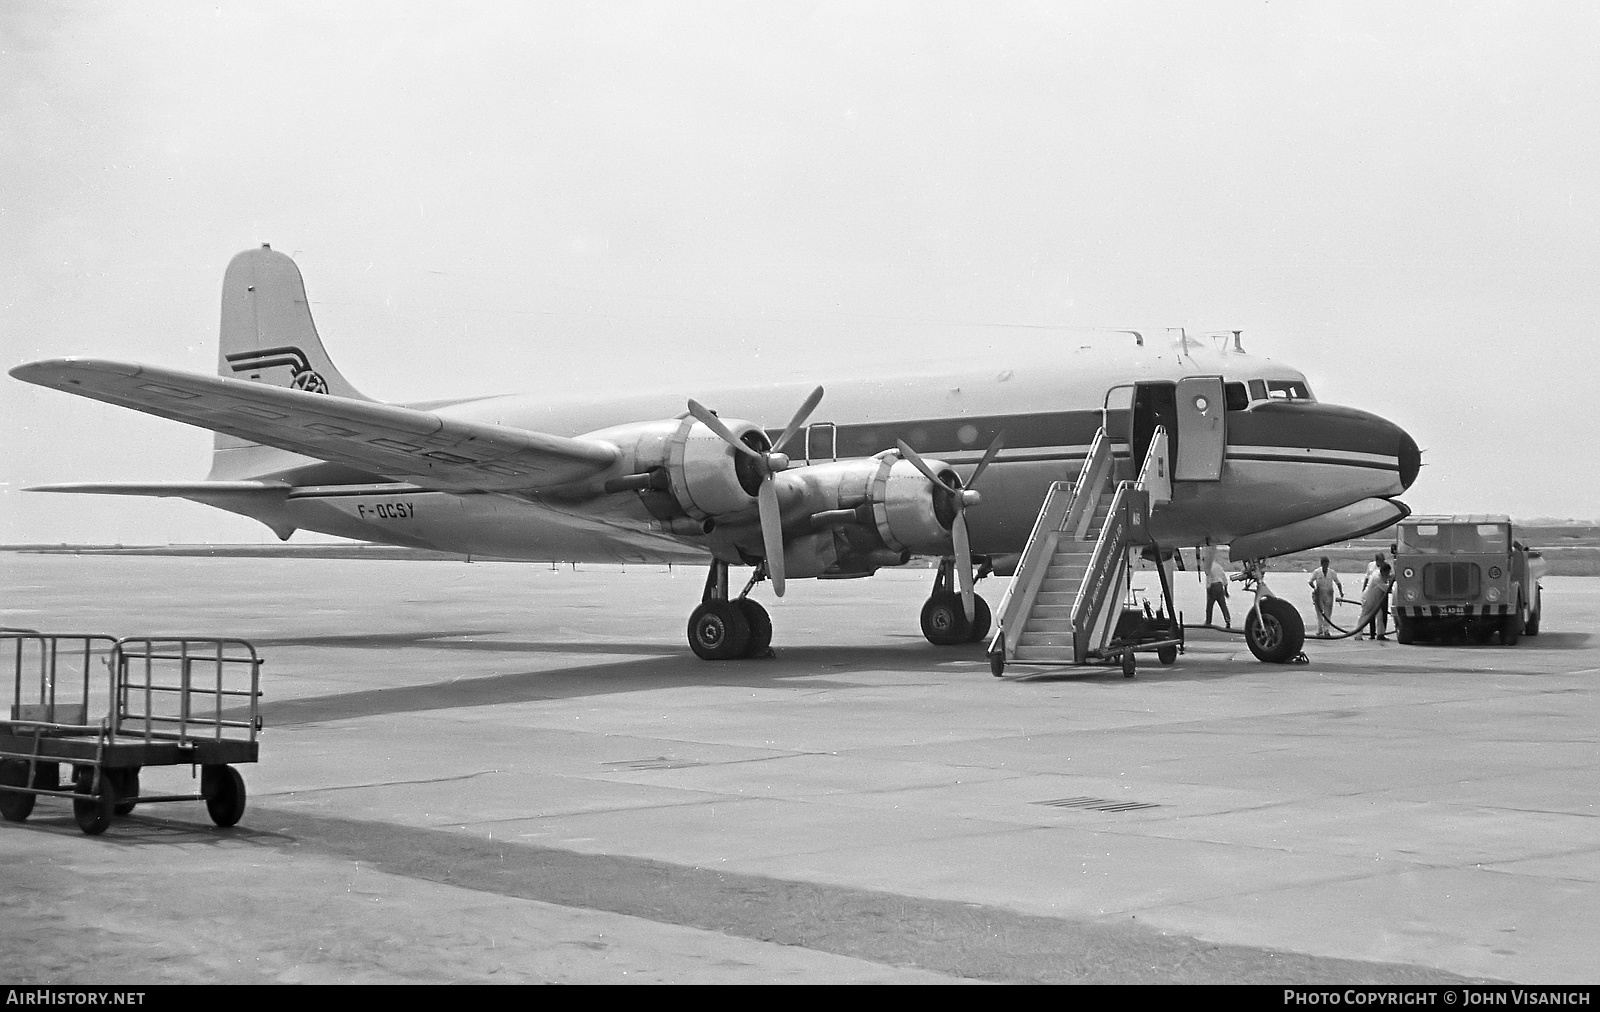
(1217, 592)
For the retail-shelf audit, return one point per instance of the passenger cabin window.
(1237, 397)
(1288, 390)
(1258, 390)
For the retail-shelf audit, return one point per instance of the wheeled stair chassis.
(166, 701)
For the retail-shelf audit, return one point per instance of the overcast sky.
(1398, 199)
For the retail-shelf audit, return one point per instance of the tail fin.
(268, 336)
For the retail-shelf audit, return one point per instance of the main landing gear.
(722, 629)
(944, 620)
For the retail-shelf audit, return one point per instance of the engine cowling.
(706, 478)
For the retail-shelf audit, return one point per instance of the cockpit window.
(1258, 390)
(1288, 390)
(1236, 396)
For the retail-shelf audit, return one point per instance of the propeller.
(768, 463)
(963, 496)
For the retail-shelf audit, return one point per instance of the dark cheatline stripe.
(935, 436)
(1313, 459)
(943, 936)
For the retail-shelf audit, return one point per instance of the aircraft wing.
(401, 443)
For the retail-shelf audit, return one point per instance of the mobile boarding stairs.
(1065, 605)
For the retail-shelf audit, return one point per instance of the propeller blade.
(921, 465)
(712, 422)
(988, 455)
(772, 532)
(958, 533)
(799, 418)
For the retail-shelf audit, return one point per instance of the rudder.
(267, 336)
(267, 333)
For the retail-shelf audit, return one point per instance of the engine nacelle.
(705, 477)
(874, 511)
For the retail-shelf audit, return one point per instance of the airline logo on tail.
(302, 376)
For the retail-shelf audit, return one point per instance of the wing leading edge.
(402, 443)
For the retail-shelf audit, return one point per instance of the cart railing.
(156, 688)
(187, 688)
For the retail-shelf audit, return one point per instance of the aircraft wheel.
(14, 805)
(760, 624)
(1275, 631)
(93, 808)
(980, 619)
(223, 789)
(944, 621)
(1167, 655)
(718, 631)
(126, 781)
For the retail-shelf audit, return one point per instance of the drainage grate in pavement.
(1098, 804)
(660, 762)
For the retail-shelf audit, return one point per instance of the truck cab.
(1464, 576)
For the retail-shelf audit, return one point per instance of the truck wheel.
(1532, 626)
(1511, 627)
(1275, 631)
(1404, 629)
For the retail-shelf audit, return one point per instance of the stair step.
(1063, 585)
(1050, 612)
(1055, 598)
(1036, 624)
(1055, 655)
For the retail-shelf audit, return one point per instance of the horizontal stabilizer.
(170, 489)
(1353, 521)
(386, 439)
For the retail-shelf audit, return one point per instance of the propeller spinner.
(768, 463)
(961, 496)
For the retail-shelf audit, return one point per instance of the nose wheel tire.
(719, 631)
(1275, 631)
(944, 621)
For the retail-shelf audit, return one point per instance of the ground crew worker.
(1374, 599)
(1217, 593)
(1324, 582)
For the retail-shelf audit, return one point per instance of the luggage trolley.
(167, 700)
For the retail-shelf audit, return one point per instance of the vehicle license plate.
(1454, 609)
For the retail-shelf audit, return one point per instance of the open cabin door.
(1192, 412)
(1202, 428)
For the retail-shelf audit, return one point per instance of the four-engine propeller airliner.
(1257, 463)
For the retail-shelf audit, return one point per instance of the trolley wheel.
(997, 659)
(760, 627)
(93, 808)
(127, 783)
(223, 789)
(14, 805)
(1168, 654)
(1127, 664)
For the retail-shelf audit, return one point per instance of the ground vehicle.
(1464, 576)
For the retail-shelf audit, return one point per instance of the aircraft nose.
(1410, 457)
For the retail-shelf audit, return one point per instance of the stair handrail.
(1062, 505)
(1154, 476)
(1019, 596)
(1093, 589)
